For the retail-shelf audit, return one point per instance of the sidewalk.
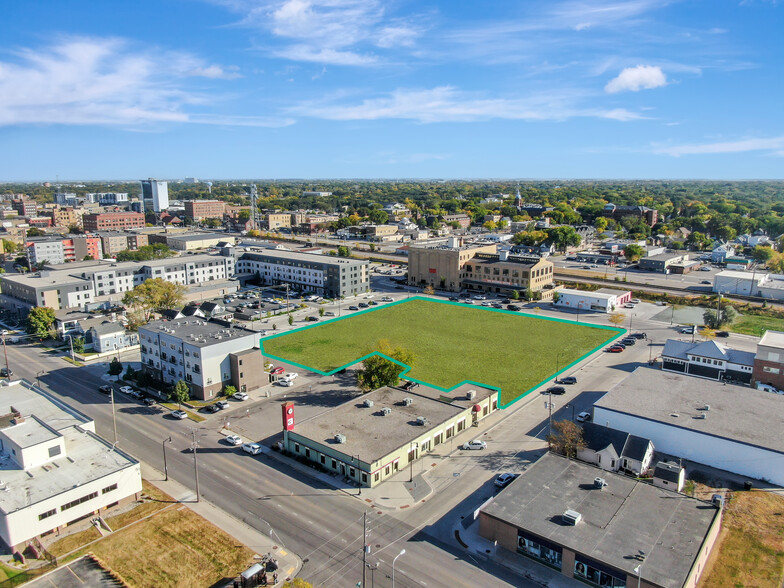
(289, 563)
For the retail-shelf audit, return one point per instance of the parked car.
(454, 299)
(285, 383)
(105, 389)
(313, 319)
(233, 439)
(512, 307)
(386, 299)
(212, 408)
(503, 480)
(179, 415)
(363, 305)
(583, 417)
(147, 401)
(127, 390)
(6, 373)
(688, 330)
(222, 404)
(480, 297)
(640, 335)
(708, 282)
(372, 303)
(628, 305)
(568, 380)
(705, 268)
(556, 390)
(291, 376)
(635, 301)
(722, 334)
(629, 341)
(352, 307)
(252, 448)
(475, 444)
(614, 349)
(277, 371)
(240, 396)
(661, 303)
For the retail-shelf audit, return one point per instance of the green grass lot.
(451, 343)
(756, 325)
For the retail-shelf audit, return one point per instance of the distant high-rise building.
(155, 194)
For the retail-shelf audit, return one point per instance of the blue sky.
(391, 89)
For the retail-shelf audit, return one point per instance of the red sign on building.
(288, 416)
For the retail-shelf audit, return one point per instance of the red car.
(615, 349)
(277, 371)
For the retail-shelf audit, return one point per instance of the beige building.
(442, 266)
(371, 440)
(65, 217)
(278, 220)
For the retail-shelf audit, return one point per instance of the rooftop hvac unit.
(421, 421)
(386, 410)
(702, 415)
(340, 438)
(408, 402)
(368, 403)
(707, 407)
(599, 483)
(717, 500)
(471, 394)
(571, 517)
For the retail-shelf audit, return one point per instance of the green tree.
(78, 344)
(115, 368)
(378, 217)
(344, 251)
(378, 371)
(35, 232)
(213, 223)
(321, 311)
(229, 390)
(10, 246)
(179, 393)
(563, 237)
(762, 254)
(566, 438)
(715, 320)
(155, 294)
(633, 252)
(600, 223)
(40, 320)
(291, 320)
(515, 294)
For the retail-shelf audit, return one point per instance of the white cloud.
(634, 79)
(91, 81)
(448, 104)
(216, 72)
(742, 146)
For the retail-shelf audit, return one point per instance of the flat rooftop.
(772, 339)
(739, 275)
(43, 279)
(87, 458)
(302, 257)
(29, 432)
(593, 294)
(625, 517)
(371, 434)
(736, 413)
(202, 237)
(20, 395)
(198, 331)
(611, 291)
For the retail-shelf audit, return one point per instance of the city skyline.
(306, 89)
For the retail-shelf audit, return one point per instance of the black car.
(105, 389)
(722, 334)
(640, 335)
(568, 380)
(363, 305)
(506, 301)
(556, 390)
(213, 408)
(147, 401)
(629, 341)
(372, 303)
(497, 305)
(353, 307)
(620, 344)
(454, 299)
(313, 318)
(512, 307)
(6, 373)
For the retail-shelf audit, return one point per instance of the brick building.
(201, 209)
(113, 221)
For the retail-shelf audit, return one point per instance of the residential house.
(111, 336)
(707, 359)
(615, 450)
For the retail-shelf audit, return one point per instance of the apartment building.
(56, 471)
(113, 221)
(109, 198)
(55, 289)
(65, 216)
(201, 209)
(441, 266)
(278, 220)
(155, 195)
(114, 242)
(47, 250)
(206, 355)
(321, 274)
(24, 206)
(649, 216)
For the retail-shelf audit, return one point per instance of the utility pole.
(195, 465)
(114, 416)
(550, 407)
(365, 548)
(5, 352)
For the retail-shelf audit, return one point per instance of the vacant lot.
(750, 324)
(451, 343)
(750, 550)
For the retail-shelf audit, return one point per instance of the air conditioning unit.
(707, 407)
(386, 410)
(599, 483)
(408, 401)
(702, 415)
(340, 438)
(369, 403)
(571, 517)
(421, 421)
(471, 394)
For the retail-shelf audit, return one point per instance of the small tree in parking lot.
(291, 320)
(321, 311)
(566, 438)
(616, 318)
(229, 390)
(179, 393)
(115, 368)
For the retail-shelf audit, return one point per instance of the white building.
(206, 355)
(49, 251)
(728, 427)
(738, 282)
(722, 252)
(155, 194)
(55, 470)
(602, 300)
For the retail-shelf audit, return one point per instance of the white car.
(285, 383)
(240, 396)
(252, 448)
(475, 444)
(234, 440)
(635, 300)
(583, 417)
(480, 297)
(386, 299)
(291, 376)
(126, 389)
(628, 305)
(179, 414)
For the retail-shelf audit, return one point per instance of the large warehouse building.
(616, 532)
(733, 428)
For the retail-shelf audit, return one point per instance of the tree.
(556, 297)
(515, 294)
(291, 320)
(78, 345)
(762, 254)
(35, 232)
(321, 311)
(10, 246)
(633, 252)
(616, 318)
(563, 237)
(40, 320)
(130, 373)
(155, 294)
(344, 251)
(244, 215)
(566, 438)
(378, 371)
(115, 368)
(715, 319)
(429, 290)
(229, 390)
(378, 217)
(600, 223)
(179, 393)
(213, 223)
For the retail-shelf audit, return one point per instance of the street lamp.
(165, 468)
(402, 551)
(572, 407)
(70, 340)
(38, 377)
(638, 571)
(414, 446)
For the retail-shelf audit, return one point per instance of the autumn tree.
(566, 438)
(616, 318)
(429, 290)
(154, 295)
(378, 370)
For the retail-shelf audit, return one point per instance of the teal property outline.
(617, 330)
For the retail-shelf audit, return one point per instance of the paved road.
(322, 525)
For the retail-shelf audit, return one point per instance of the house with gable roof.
(707, 359)
(615, 450)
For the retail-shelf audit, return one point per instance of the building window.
(54, 450)
(587, 570)
(47, 514)
(539, 549)
(771, 370)
(109, 489)
(79, 501)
